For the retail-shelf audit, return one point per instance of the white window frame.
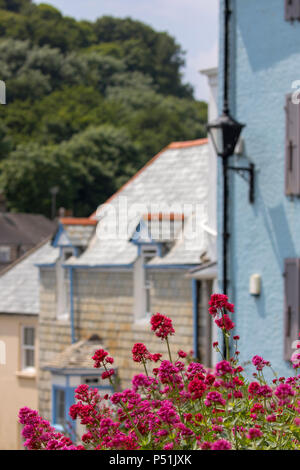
(142, 285)
(26, 347)
(147, 253)
(62, 285)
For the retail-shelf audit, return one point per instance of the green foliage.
(67, 80)
(86, 168)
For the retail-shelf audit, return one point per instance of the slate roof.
(24, 229)
(19, 283)
(176, 177)
(77, 356)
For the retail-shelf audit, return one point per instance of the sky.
(194, 24)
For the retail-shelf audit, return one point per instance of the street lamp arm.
(241, 170)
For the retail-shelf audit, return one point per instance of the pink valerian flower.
(161, 325)
(223, 368)
(254, 433)
(107, 373)
(195, 369)
(206, 445)
(284, 392)
(168, 373)
(167, 413)
(259, 362)
(217, 428)
(219, 302)
(196, 388)
(225, 323)
(40, 435)
(182, 354)
(155, 357)
(238, 394)
(183, 431)
(257, 407)
(295, 359)
(221, 444)
(140, 353)
(209, 379)
(297, 422)
(213, 398)
(169, 446)
(101, 358)
(255, 389)
(142, 381)
(265, 391)
(271, 418)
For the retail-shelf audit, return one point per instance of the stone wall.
(103, 305)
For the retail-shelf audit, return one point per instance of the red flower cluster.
(162, 325)
(101, 357)
(225, 323)
(219, 302)
(140, 353)
(196, 388)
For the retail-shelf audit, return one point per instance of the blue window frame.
(63, 397)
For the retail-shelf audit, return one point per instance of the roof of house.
(24, 229)
(19, 283)
(174, 181)
(76, 356)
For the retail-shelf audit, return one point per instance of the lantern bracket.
(248, 175)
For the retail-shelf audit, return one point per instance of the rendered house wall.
(264, 63)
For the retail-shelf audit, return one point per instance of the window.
(28, 347)
(142, 282)
(291, 305)
(60, 406)
(292, 10)
(148, 253)
(292, 148)
(202, 293)
(63, 286)
(5, 254)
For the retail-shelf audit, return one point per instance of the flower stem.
(169, 351)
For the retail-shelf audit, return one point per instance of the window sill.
(24, 374)
(140, 323)
(63, 319)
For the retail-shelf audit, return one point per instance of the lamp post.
(225, 132)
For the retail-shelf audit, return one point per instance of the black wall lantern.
(225, 133)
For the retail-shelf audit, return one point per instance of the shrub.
(182, 406)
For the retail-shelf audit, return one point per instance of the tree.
(88, 169)
(68, 81)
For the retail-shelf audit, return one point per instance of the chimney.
(3, 207)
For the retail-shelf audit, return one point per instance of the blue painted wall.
(265, 60)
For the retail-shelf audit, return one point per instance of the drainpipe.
(227, 13)
(195, 316)
(73, 339)
(226, 235)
